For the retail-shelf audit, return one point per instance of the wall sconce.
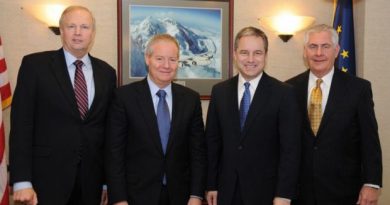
(49, 14)
(286, 25)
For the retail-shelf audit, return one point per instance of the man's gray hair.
(321, 28)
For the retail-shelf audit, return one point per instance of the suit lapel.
(301, 90)
(177, 109)
(260, 99)
(232, 102)
(99, 87)
(60, 70)
(336, 92)
(145, 103)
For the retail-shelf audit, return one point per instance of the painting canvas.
(202, 28)
(199, 41)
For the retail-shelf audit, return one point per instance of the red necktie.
(80, 89)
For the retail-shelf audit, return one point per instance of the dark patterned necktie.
(80, 89)
(244, 105)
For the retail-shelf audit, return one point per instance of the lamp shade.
(48, 13)
(286, 24)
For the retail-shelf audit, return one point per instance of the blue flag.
(343, 23)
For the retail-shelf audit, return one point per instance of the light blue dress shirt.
(87, 70)
(153, 90)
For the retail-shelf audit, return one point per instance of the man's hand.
(194, 201)
(368, 196)
(26, 196)
(281, 201)
(122, 203)
(212, 197)
(104, 198)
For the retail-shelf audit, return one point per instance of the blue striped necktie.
(244, 105)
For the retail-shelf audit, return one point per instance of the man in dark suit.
(341, 153)
(253, 142)
(58, 121)
(156, 153)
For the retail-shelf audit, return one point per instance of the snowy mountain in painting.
(199, 56)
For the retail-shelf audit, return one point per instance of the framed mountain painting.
(202, 28)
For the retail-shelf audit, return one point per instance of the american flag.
(5, 97)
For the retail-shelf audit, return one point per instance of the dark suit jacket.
(48, 139)
(264, 157)
(134, 156)
(346, 152)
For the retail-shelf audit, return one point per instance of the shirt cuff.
(198, 197)
(284, 199)
(373, 186)
(22, 185)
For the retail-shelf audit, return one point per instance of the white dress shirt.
(252, 88)
(325, 88)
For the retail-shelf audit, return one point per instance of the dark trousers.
(76, 198)
(329, 202)
(164, 197)
(237, 197)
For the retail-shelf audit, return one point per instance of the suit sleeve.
(370, 145)
(198, 152)
(22, 123)
(115, 151)
(290, 144)
(213, 139)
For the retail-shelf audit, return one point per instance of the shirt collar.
(70, 59)
(254, 82)
(326, 79)
(154, 88)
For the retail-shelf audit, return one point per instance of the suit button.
(239, 147)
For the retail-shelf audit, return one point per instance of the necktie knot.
(318, 82)
(78, 63)
(247, 84)
(161, 94)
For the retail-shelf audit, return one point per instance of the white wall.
(22, 34)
